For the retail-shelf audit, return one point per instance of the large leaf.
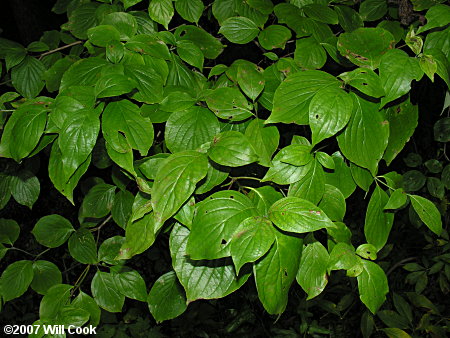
(275, 272)
(190, 10)
(403, 121)
(250, 79)
(312, 272)
(83, 73)
(206, 279)
(274, 36)
(341, 176)
(295, 214)
(333, 203)
(209, 45)
(372, 285)
(293, 96)
(233, 149)
(365, 80)
(397, 70)
(240, 30)
(24, 188)
(215, 222)
(125, 23)
(378, 223)
(139, 235)
(428, 213)
(28, 77)
(252, 239)
(98, 201)
(175, 182)
(52, 230)
(365, 138)
(365, 46)
(124, 118)
(131, 284)
(77, 139)
(82, 247)
(53, 301)
(166, 300)
(189, 129)
(437, 16)
(309, 54)
(16, 279)
(149, 82)
(229, 103)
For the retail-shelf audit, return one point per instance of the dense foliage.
(209, 145)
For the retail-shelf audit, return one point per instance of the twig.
(396, 265)
(60, 48)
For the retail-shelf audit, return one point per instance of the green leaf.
(445, 176)
(113, 85)
(148, 82)
(250, 79)
(365, 80)
(329, 111)
(372, 286)
(140, 235)
(403, 120)
(284, 173)
(148, 45)
(397, 199)
(333, 203)
(365, 46)
(209, 45)
(82, 247)
(372, 10)
(229, 103)
(293, 96)
(309, 54)
(428, 213)
(252, 239)
(397, 70)
(275, 272)
(124, 118)
(216, 221)
(25, 188)
(312, 272)
(106, 293)
(5, 191)
(264, 140)
(189, 129)
(341, 176)
(54, 74)
(14, 57)
(83, 73)
(233, 149)
(206, 279)
(87, 303)
(223, 9)
(274, 36)
(190, 10)
(365, 138)
(52, 230)
(441, 130)
(378, 223)
(166, 300)
(27, 77)
(122, 206)
(131, 284)
(175, 101)
(101, 35)
(190, 53)
(349, 19)
(115, 51)
(240, 30)
(311, 186)
(437, 16)
(16, 279)
(98, 201)
(413, 180)
(45, 275)
(125, 24)
(9, 231)
(161, 11)
(82, 18)
(77, 139)
(53, 301)
(109, 250)
(342, 257)
(295, 214)
(367, 251)
(175, 182)
(31, 123)
(216, 175)
(325, 160)
(57, 176)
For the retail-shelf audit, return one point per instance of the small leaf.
(372, 285)
(233, 149)
(274, 36)
(252, 239)
(166, 300)
(264, 140)
(161, 11)
(397, 199)
(9, 231)
(131, 284)
(312, 272)
(437, 16)
(45, 275)
(16, 279)
(428, 213)
(52, 230)
(98, 201)
(240, 30)
(82, 247)
(190, 10)
(28, 77)
(294, 214)
(106, 293)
